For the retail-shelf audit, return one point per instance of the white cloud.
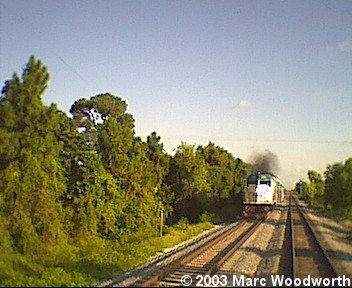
(344, 45)
(317, 95)
(245, 104)
(337, 47)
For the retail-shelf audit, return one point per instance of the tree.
(338, 185)
(316, 188)
(160, 161)
(137, 168)
(188, 173)
(32, 177)
(220, 176)
(226, 174)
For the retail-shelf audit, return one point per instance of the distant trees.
(201, 177)
(314, 190)
(339, 186)
(188, 173)
(226, 174)
(335, 191)
(208, 170)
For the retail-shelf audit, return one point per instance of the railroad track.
(206, 260)
(203, 256)
(132, 277)
(307, 255)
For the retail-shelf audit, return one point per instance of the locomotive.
(264, 191)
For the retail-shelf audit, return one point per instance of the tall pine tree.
(32, 177)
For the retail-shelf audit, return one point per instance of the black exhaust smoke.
(266, 161)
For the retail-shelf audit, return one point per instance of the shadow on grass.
(98, 270)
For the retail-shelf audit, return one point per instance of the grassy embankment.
(89, 260)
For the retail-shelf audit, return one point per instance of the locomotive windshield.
(265, 181)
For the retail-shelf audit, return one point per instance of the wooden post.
(161, 222)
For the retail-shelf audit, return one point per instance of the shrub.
(206, 217)
(182, 223)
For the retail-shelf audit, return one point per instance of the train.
(264, 191)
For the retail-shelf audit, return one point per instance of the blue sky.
(247, 75)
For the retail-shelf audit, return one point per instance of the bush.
(182, 223)
(206, 217)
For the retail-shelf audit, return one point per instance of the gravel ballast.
(334, 239)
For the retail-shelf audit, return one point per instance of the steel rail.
(218, 260)
(152, 281)
(326, 257)
(233, 247)
(292, 240)
(191, 245)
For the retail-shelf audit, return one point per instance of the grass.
(90, 260)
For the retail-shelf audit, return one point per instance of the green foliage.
(188, 173)
(315, 189)
(206, 217)
(136, 169)
(32, 178)
(92, 197)
(226, 175)
(339, 186)
(334, 193)
(182, 223)
(160, 169)
(201, 177)
(78, 194)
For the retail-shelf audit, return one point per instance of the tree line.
(88, 175)
(330, 191)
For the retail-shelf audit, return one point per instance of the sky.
(246, 75)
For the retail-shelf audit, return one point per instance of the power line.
(70, 67)
(295, 141)
(262, 140)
